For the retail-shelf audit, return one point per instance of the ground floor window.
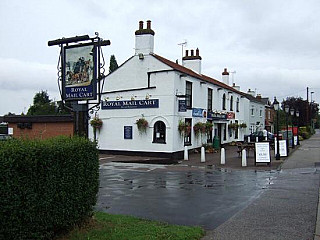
(159, 132)
(187, 136)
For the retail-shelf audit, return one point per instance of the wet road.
(204, 197)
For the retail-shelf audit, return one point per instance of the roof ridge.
(192, 73)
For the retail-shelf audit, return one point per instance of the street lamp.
(287, 108)
(292, 114)
(276, 108)
(298, 114)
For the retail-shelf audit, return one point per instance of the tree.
(307, 111)
(113, 64)
(43, 105)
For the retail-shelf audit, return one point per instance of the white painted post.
(248, 139)
(203, 155)
(186, 153)
(223, 156)
(257, 139)
(244, 158)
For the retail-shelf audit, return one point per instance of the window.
(260, 113)
(252, 111)
(231, 103)
(224, 102)
(187, 137)
(159, 132)
(236, 130)
(188, 95)
(209, 99)
(237, 105)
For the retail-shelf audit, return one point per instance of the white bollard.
(244, 158)
(248, 139)
(223, 156)
(186, 153)
(203, 155)
(257, 139)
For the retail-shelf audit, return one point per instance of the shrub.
(46, 186)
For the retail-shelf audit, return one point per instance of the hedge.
(46, 186)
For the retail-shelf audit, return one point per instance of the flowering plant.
(96, 123)
(199, 128)
(184, 128)
(233, 126)
(209, 127)
(243, 125)
(142, 125)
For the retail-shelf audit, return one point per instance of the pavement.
(288, 209)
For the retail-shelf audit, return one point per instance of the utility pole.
(307, 105)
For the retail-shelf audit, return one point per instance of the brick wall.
(43, 130)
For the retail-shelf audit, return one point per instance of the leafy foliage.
(43, 105)
(46, 186)
(113, 64)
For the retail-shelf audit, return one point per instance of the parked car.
(260, 135)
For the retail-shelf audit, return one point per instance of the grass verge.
(108, 226)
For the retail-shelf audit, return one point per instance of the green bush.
(46, 186)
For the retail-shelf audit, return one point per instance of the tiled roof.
(202, 77)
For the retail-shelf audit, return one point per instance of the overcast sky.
(273, 46)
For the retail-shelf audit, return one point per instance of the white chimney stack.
(144, 39)
(251, 92)
(225, 76)
(193, 61)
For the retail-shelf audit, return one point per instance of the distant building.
(168, 95)
(39, 127)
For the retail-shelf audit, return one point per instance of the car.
(260, 135)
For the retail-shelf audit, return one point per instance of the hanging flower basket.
(209, 127)
(96, 123)
(199, 128)
(233, 126)
(243, 125)
(142, 125)
(184, 128)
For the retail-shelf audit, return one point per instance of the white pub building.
(168, 101)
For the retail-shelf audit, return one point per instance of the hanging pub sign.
(130, 104)
(182, 106)
(231, 115)
(79, 72)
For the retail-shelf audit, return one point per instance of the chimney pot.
(140, 25)
(187, 53)
(225, 72)
(148, 24)
(197, 52)
(192, 52)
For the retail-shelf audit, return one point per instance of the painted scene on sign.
(79, 66)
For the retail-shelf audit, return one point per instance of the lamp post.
(298, 114)
(292, 114)
(276, 108)
(286, 108)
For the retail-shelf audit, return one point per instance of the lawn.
(106, 226)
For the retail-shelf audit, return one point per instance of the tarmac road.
(230, 203)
